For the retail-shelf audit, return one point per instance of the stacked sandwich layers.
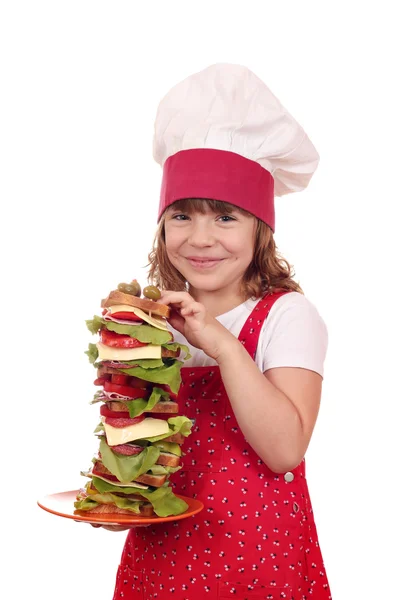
(140, 431)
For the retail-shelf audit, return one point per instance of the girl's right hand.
(111, 527)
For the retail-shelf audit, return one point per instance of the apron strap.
(251, 329)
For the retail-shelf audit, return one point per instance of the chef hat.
(221, 134)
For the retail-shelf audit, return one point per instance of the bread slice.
(153, 480)
(145, 304)
(146, 510)
(177, 438)
(167, 459)
(165, 406)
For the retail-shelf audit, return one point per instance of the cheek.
(240, 246)
(172, 246)
(171, 240)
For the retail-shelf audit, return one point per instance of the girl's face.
(212, 251)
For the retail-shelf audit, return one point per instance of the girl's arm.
(276, 411)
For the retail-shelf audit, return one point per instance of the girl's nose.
(201, 235)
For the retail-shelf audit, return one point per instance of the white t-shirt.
(293, 335)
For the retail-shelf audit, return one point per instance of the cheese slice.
(123, 354)
(156, 320)
(146, 428)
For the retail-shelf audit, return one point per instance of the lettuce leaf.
(163, 470)
(95, 499)
(163, 499)
(92, 353)
(140, 405)
(177, 346)
(98, 397)
(171, 447)
(127, 468)
(169, 375)
(144, 333)
(94, 324)
(146, 363)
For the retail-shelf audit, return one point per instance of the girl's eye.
(176, 217)
(227, 217)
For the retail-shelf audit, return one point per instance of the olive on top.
(132, 288)
(152, 292)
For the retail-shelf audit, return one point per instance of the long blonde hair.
(267, 272)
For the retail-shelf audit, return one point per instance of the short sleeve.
(293, 335)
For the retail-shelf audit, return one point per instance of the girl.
(253, 384)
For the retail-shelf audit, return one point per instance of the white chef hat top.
(221, 134)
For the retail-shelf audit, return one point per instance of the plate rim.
(118, 519)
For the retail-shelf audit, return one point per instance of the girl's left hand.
(192, 320)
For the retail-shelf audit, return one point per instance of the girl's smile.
(202, 263)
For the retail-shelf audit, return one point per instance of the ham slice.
(117, 365)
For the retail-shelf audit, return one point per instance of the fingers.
(116, 527)
(194, 308)
(110, 527)
(183, 301)
(119, 527)
(168, 297)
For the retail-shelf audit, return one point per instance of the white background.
(81, 82)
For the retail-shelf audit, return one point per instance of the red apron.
(255, 538)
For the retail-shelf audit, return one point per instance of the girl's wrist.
(230, 349)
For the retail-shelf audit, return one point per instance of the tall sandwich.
(140, 429)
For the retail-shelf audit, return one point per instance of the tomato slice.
(126, 390)
(114, 414)
(124, 315)
(127, 316)
(137, 382)
(117, 340)
(99, 381)
(119, 379)
(123, 422)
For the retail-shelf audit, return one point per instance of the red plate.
(62, 505)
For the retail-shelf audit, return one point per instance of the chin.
(208, 283)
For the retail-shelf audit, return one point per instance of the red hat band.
(218, 175)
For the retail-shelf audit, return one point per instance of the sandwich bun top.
(156, 308)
